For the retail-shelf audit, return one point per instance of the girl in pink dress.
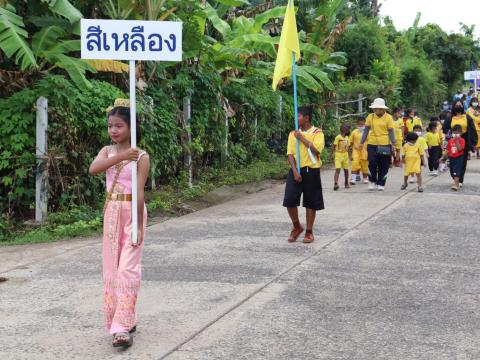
(121, 259)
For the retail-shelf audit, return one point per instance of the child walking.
(456, 153)
(359, 157)
(121, 258)
(417, 129)
(434, 143)
(399, 129)
(308, 181)
(340, 146)
(413, 154)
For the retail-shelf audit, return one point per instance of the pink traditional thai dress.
(121, 261)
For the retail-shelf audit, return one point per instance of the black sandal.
(122, 339)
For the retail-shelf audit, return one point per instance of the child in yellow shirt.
(340, 145)
(434, 143)
(417, 129)
(306, 182)
(412, 156)
(359, 157)
(398, 129)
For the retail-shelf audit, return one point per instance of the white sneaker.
(365, 181)
(435, 173)
(432, 173)
(411, 181)
(380, 188)
(372, 186)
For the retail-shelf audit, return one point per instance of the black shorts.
(311, 187)
(456, 166)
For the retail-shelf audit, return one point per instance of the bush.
(363, 42)
(419, 77)
(76, 132)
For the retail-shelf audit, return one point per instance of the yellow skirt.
(413, 166)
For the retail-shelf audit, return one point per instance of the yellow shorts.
(341, 161)
(360, 165)
(359, 162)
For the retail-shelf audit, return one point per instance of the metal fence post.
(41, 174)
(187, 114)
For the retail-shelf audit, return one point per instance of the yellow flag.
(288, 43)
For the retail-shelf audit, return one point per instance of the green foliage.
(52, 44)
(364, 42)
(72, 222)
(456, 53)
(161, 131)
(349, 89)
(76, 133)
(276, 167)
(420, 77)
(13, 39)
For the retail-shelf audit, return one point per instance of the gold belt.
(119, 197)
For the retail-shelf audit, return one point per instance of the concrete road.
(392, 275)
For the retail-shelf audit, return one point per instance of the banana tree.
(245, 44)
(48, 48)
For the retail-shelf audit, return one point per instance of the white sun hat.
(378, 103)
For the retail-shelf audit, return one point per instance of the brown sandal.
(295, 233)
(309, 238)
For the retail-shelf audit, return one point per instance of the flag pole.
(295, 100)
(133, 144)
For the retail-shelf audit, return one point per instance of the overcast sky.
(447, 14)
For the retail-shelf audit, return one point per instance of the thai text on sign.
(131, 40)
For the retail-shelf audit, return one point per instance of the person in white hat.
(379, 129)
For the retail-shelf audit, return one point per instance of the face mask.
(475, 104)
(403, 114)
(361, 128)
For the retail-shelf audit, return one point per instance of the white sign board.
(131, 40)
(472, 75)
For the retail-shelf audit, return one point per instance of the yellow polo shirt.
(476, 119)
(423, 143)
(433, 139)
(341, 144)
(316, 137)
(379, 127)
(462, 121)
(411, 123)
(398, 133)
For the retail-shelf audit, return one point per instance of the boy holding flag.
(307, 181)
(304, 147)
